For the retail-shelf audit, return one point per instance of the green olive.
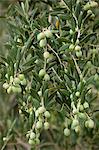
(5, 85)
(77, 48)
(71, 47)
(46, 125)
(47, 114)
(43, 42)
(46, 55)
(40, 36)
(79, 54)
(66, 132)
(86, 105)
(48, 33)
(47, 77)
(71, 32)
(21, 76)
(39, 125)
(42, 72)
(16, 80)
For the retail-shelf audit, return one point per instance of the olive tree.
(52, 68)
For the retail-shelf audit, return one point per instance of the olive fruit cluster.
(42, 37)
(42, 73)
(14, 84)
(42, 116)
(79, 115)
(90, 5)
(33, 137)
(41, 121)
(77, 49)
(77, 124)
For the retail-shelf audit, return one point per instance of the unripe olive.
(87, 6)
(90, 123)
(41, 110)
(43, 42)
(66, 132)
(47, 114)
(40, 36)
(38, 134)
(29, 98)
(94, 51)
(82, 116)
(4, 138)
(47, 77)
(46, 125)
(5, 85)
(20, 111)
(77, 93)
(86, 105)
(77, 129)
(32, 135)
(16, 80)
(23, 82)
(21, 76)
(48, 33)
(39, 125)
(19, 40)
(9, 90)
(19, 89)
(46, 55)
(77, 48)
(27, 135)
(93, 4)
(31, 142)
(89, 12)
(89, 64)
(16, 89)
(75, 123)
(81, 108)
(71, 47)
(92, 16)
(71, 32)
(40, 119)
(37, 141)
(42, 72)
(50, 58)
(40, 93)
(86, 124)
(75, 111)
(79, 54)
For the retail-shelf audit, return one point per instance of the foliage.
(51, 70)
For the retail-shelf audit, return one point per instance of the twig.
(55, 53)
(8, 137)
(77, 67)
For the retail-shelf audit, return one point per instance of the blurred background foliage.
(8, 107)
